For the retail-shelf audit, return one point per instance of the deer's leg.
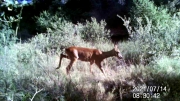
(91, 62)
(73, 58)
(70, 64)
(61, 57)
(100, 67)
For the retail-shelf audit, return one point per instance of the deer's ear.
(115, 46)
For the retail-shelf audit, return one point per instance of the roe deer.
(89, 55)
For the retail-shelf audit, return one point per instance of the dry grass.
(36, 71)
(116, 84)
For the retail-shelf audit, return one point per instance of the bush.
(49, 20)
(154, 39)
(155, 36)
(168, 65)
(94, 31)
(7, 36)
(25, 70)
(132, 52)
(57, 40)
(166, 73)
(62, 33)
(146, 8)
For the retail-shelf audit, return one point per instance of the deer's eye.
(117, 53)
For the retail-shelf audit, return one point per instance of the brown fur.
(89, 55)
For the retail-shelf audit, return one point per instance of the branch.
(16, 20)
(36, 94)
(17, 27)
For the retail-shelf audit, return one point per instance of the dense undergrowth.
(150, 59)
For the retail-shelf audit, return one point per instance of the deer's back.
(84, 54)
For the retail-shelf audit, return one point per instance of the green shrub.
(132, 52)
(62, 33)
(48, 20)
(153, 41)
(146, 8)
(166, 73)
(94, 31)
(155, 36)
(176, 53)
(23, 71)
(58, 39)
(7, 36)
(8, 72)
(168, 65)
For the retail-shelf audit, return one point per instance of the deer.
(88, 55)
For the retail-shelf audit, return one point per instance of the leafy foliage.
(49, 20)
(6, 36)
(155, 30)
(166, 71)
(155, 35)
(146, 8)
(132, 52)
(94, 31)
(62, 33)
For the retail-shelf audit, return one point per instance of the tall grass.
(30, 70)
(26, 70)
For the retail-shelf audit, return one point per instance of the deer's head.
(117, 52)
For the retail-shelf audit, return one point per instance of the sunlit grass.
(32, 70)
(37, 71)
